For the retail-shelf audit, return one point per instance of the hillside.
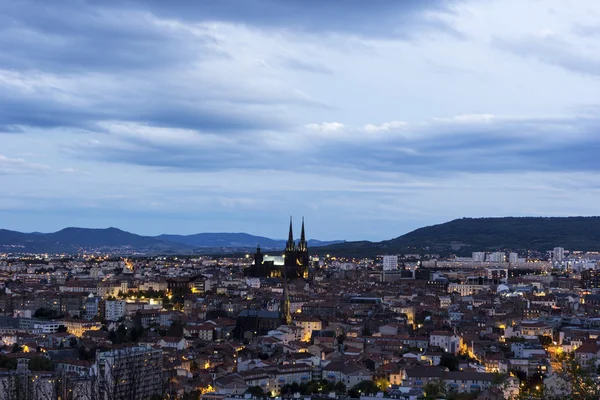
(234, 240)
(465, 235)
(75, 240)
(113, 240)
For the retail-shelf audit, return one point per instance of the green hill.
(465, 235)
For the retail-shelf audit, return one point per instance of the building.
(497, 257)
(590, 278)
(478, 256)
(129, 373)
(447, 341)
(308, 325)
(390, 263)
(256, 323)
(115, 309)
(295, 260)
(558, 254)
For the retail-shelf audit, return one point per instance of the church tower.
(290, 249)
(302, 258)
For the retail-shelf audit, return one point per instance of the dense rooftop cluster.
(404, 327)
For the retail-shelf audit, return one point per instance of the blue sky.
(186, 116)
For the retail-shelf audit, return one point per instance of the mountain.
(463, 236)
(235, 240)
(77, 240)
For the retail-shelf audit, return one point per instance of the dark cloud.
(384, 18)
(75, 36)
(440, 148)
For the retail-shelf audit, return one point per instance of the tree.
(39, 363)
(364, 387)
(382, 383)
(256, 391)
(340, 388)
(545, 340)
(434, 389)
(449, 361)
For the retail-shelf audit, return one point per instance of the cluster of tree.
(125, 335)
(40, 363)
(37, 363)
(313, 387)
(46, 313)
(364, 387)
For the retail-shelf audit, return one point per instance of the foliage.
(449, 361)
(434, 389)
(8, 363)
(545, 340)
(256, 391)
(124, 335)
(382, 383)
(45, 313)
(313, 387)
(40, 364)
(364, 387)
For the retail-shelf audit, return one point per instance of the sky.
(230, 116)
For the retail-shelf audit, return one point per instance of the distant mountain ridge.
(235, 240)
(76, 240)
(465, 235)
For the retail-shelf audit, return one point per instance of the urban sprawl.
(286, 324)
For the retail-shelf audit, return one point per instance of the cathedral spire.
(290, 245)
(302, 246)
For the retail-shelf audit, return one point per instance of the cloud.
(440, 146)
(326, 127)
(552, 50)
(14, 166)
(306, 66)
(389, 18)
(385, 127)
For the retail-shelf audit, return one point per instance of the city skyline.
(229, 118)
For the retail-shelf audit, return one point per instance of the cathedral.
(294, 265)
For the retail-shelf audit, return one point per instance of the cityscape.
(299, 200)
(287, 324)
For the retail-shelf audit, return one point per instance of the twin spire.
(291, 244)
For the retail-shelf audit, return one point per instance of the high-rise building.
(114, 309)
(558, 254)
(590, 278)
(497, 257)
(478, 256)
(129, 373)
(513, 258)
(390, 263)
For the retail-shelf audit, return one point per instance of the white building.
(513, 258)
(558, 254)
(447, 341)
(254, 283)
(390, 263)
(497, 257)
(115, 309)
(46, 327)
(478, 256)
